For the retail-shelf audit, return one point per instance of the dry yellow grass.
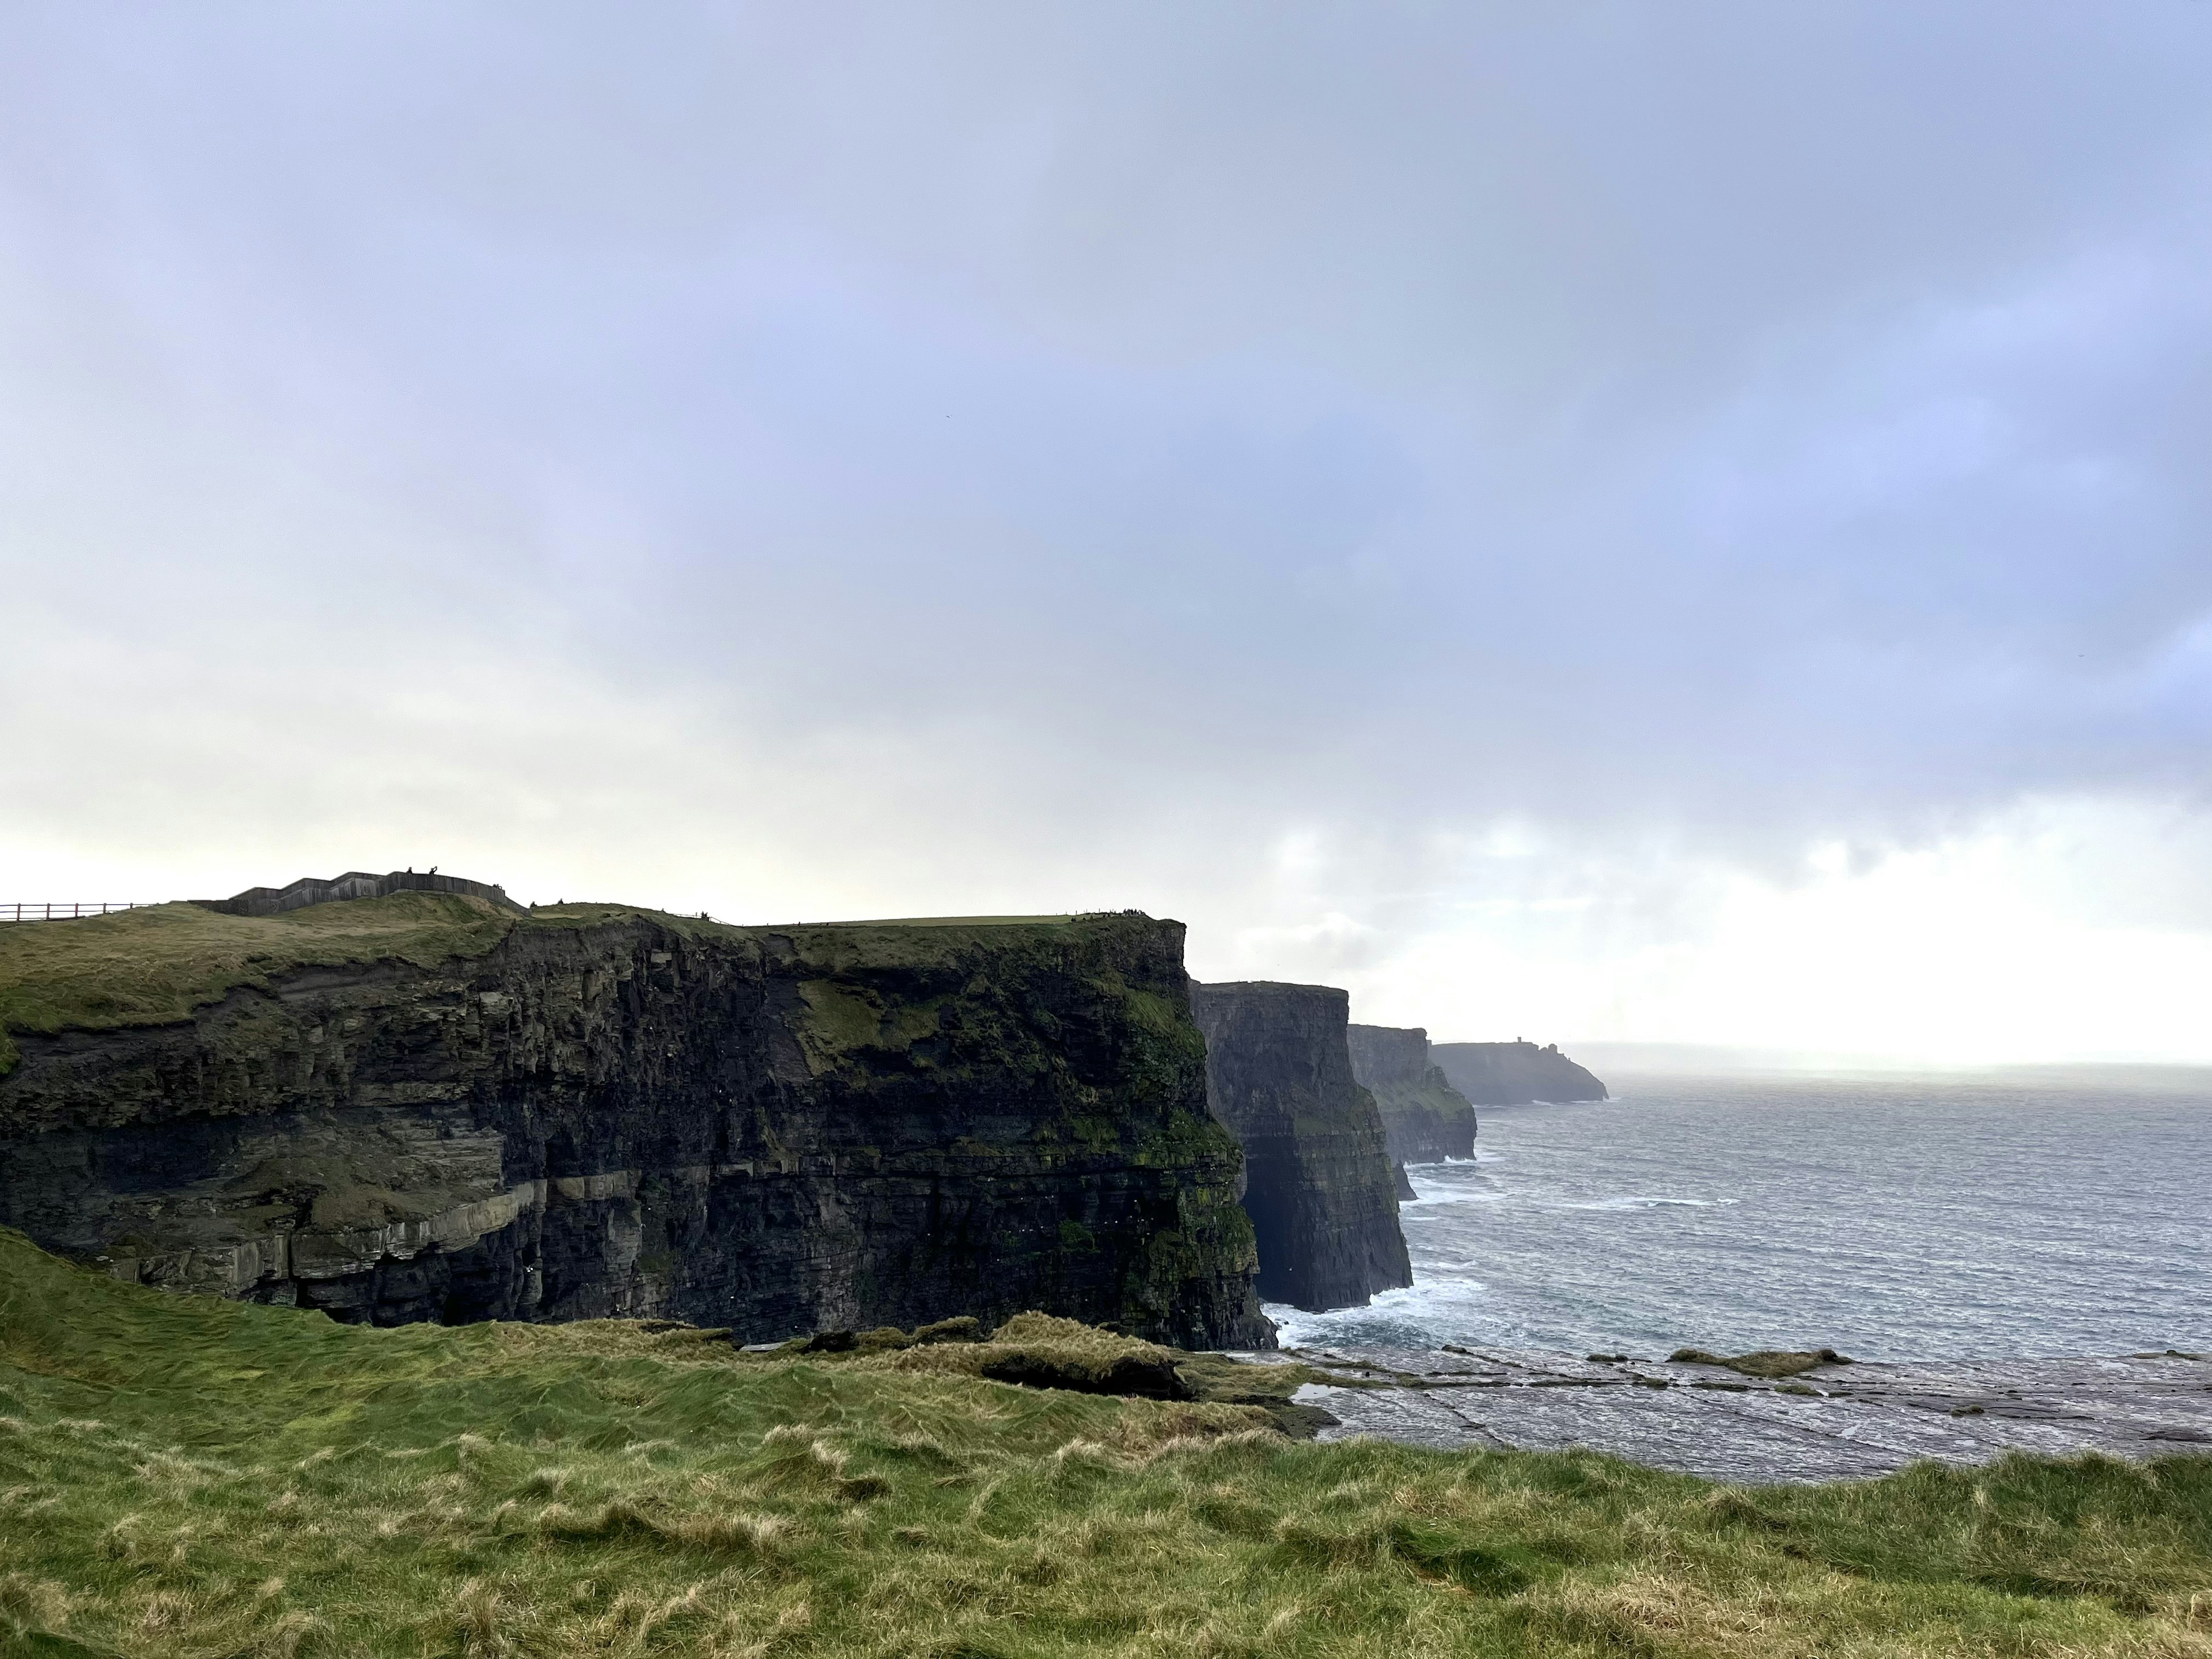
(181, 1477)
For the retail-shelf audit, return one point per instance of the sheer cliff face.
(1514, 1073)
(606, 1112)
(1425, 1118)
(1318, 1183)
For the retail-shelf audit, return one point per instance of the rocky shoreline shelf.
(1837, 1421)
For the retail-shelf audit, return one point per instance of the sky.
(1600, 522)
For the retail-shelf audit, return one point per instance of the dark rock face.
(1514, 1073)
(1425, 1118)
(1318, 1183)
(621, 1114)
(1147, 1379)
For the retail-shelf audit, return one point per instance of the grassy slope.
(151, 966)
(185, 1476)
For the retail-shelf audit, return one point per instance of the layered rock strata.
(596, 1111)
(1425, 1119)
(1514, 1073)
(1318, 1183)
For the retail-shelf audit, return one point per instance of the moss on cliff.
(1425, 1122)
(156, 965)
(151, 966)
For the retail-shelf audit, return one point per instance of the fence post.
(64, 909)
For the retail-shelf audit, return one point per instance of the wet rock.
(1766, 1362)
(1827, 1424)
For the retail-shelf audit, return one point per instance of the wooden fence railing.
(66, 909)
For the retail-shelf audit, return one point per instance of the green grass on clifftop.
(150, 966)
(192, 1477)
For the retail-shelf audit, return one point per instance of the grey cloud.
(1099, 444)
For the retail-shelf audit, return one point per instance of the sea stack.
(1318, 1182)
(1425, 1118)
(1514, 1073)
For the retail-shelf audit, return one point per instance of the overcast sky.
(1655, 521)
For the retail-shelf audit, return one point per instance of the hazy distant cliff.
(1514, 1073)
(1318, 1183)
(1425, 1118)
(425, 1106)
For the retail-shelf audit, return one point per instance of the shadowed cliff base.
(425, 1106)
(1514, 1073)
(1425, 1119)
(1318, 1182)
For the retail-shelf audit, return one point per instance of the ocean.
(1899, 1219)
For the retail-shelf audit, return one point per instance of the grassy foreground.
(182, 1476)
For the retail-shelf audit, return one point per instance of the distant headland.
(1515, 1073)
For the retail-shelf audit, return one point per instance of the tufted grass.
(182, 1477)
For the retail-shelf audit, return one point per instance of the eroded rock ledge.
(599, 1111)
(1832, 1422)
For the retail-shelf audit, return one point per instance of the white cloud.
(2075, 929)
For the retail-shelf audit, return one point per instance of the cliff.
(427, 1106)
(1514, 1073)
(1318, 1182)
(1425, 1119)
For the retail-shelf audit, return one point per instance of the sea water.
(1892, 1219)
